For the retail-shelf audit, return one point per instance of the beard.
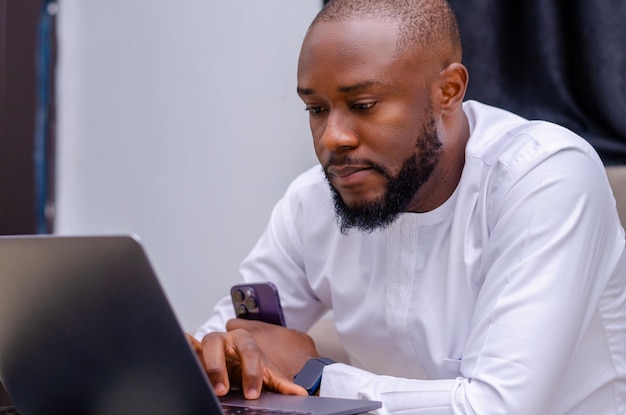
(400, 190)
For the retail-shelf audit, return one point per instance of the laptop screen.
(84, 325)
(85, 328)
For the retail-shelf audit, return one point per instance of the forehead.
(351, 37)
(361, 48)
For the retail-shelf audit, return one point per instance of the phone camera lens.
(237, 296)
(251, 303)
(241, 310)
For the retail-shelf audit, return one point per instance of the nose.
(338, 134)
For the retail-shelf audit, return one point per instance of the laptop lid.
(86, 328)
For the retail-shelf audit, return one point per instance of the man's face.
(373, 126)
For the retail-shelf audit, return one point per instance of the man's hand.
(254, 355)
(287, 349)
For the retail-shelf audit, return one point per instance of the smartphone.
(258, 301)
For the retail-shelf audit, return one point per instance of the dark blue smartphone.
(258, 301)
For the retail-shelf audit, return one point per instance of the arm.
(278, 257)
(542, 277)
(226, 345)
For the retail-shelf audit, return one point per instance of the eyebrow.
(342, 89)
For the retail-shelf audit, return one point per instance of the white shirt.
(510, 298)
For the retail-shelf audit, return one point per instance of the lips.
(345, 171)
(350, 178)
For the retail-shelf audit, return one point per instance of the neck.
(447, 174)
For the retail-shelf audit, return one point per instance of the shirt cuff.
(343, 381)
(398, 395)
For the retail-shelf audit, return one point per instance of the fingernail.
(219, 388)
(252, 393)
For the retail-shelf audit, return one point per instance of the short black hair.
(421, 23)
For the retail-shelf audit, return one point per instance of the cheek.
(397, 125)
(317, 145)
(395, 143)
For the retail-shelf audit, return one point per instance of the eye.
(313, 110)
(363, 106)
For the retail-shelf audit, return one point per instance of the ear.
(452, 82)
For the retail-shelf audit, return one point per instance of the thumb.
(277, 382)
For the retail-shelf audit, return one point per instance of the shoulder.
(516, 145)
(305, 217)
(509, 158)
(310, 187)
(307, 181)
(308, 198)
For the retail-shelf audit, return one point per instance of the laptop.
(85, 328)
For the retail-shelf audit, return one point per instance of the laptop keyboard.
(235, 410)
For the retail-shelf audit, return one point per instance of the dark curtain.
(558, 60)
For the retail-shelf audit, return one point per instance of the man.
(473, 260)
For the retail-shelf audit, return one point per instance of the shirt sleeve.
(552, 249)
(278, 257)
(398, 395)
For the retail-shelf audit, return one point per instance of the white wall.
(179, 121)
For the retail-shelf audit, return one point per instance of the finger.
(290, 388)
(286, 348)
(242, 323)
(195, 344)
(252, 363)
(214, 361)
(277, 382)
(258, 371)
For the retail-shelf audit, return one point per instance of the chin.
(360, 201)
